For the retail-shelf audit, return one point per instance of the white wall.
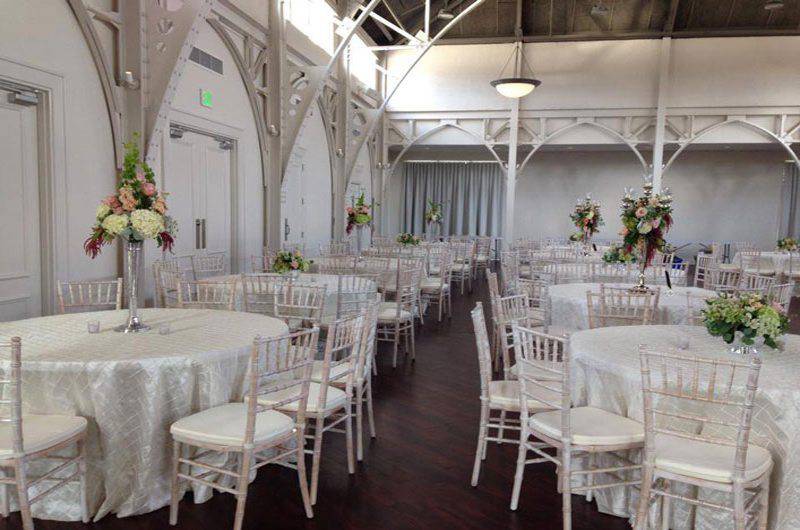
(43, 35)
(719, 195)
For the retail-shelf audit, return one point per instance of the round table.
(607, 374)
(779, 258)
(330, 281)
(569, 310)
(131, 388)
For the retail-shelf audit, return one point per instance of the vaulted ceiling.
(553, 20)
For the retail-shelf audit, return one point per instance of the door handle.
(204, 233)
(286, 228)
(197, 234)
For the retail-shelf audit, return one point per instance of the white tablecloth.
(330, 281)
(131, 388)
(568, 309)
(607, 375)
(780, 261)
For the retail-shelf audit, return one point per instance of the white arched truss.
(622, 139)
(785, 141)
(427, 134)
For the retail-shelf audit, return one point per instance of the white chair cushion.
(706, 461)
(432, 285)
(387, 312)
(481, 259)
(334, 398)
(40, 431)
(336, 371)
(505, 395)
(590, 426)
(762, 272)
(461, 267)
(226, 424)
(728, 266)
(542, 375)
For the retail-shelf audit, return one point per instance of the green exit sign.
(206, 98)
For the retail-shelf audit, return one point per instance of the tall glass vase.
(133, 261)
(359, 231)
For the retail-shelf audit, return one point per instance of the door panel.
(20, 265)
(217, 198)
(179, 168)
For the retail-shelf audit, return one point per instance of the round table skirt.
(607, 374)
(131, 388)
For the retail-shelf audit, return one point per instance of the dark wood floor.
(415, 474)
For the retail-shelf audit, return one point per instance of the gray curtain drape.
(790, 222)
(472, 197)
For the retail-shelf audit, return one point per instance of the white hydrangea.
(103, 211)
(147, 223)
(114, 224)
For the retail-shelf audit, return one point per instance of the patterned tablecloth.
(569, 310)
(607, 374)
(780, 261)
(131, 388)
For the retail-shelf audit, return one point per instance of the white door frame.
(52, 160)
(213, 128)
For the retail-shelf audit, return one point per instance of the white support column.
(342, 125)
(661, 111)
(275, 124)
(511, 173)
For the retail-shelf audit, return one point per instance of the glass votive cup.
(163, 329)
(93, 326)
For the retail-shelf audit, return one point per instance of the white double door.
(197, 176)
(20, 258)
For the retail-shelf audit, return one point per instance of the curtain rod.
(450, 161)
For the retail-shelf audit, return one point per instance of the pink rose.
(149, 189)
(140, 176)
(641, 212)
(655, 222)
(624, 231)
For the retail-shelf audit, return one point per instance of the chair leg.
(522, 454)
(241, 488)
(590, 476)
(413, 347)
(666, 503)
(301, 474)
(316, 458)
(359, 421)
(763, 515)
(396, 346)
(738, 507)
(348, 433)
(500, 431)
(476, 468)
(644, 498)
(370, 412)
(176, 467)
(83, 485)
(22, 494)
(566, 487)
(4, 505)
(441, 305)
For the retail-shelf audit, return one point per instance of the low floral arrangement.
(617, 254)
(434, 212)
(645, 220)
(137, 211)
(358, 214)
(288, 261)
(587, 219)
(788, 244)
(750, 315)
(408, 240)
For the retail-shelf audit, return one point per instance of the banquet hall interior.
(400, 264)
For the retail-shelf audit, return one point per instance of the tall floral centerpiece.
(741, 320)
(645, 220)
(433, 216)
(137, 211)
(587, 219)
(358, 216)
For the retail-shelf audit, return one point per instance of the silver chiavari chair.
(703, 263)
(754, 263)
(396, 318)
(273, 417)
(755, 283)
(335, 248)
(695, 304)
(690, 404)
(259, 292)
(299, 305)
(723, 281)
(621, 307)
(342, 264)
(76, 297)
(572, 432)
(208, 294)
(208, 265)
(781, 294)
(59, 441)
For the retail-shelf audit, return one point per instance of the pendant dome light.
(518, 84)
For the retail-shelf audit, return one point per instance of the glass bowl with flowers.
(745, 321)
(787, 244)
(618, 254)
(408, 240)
